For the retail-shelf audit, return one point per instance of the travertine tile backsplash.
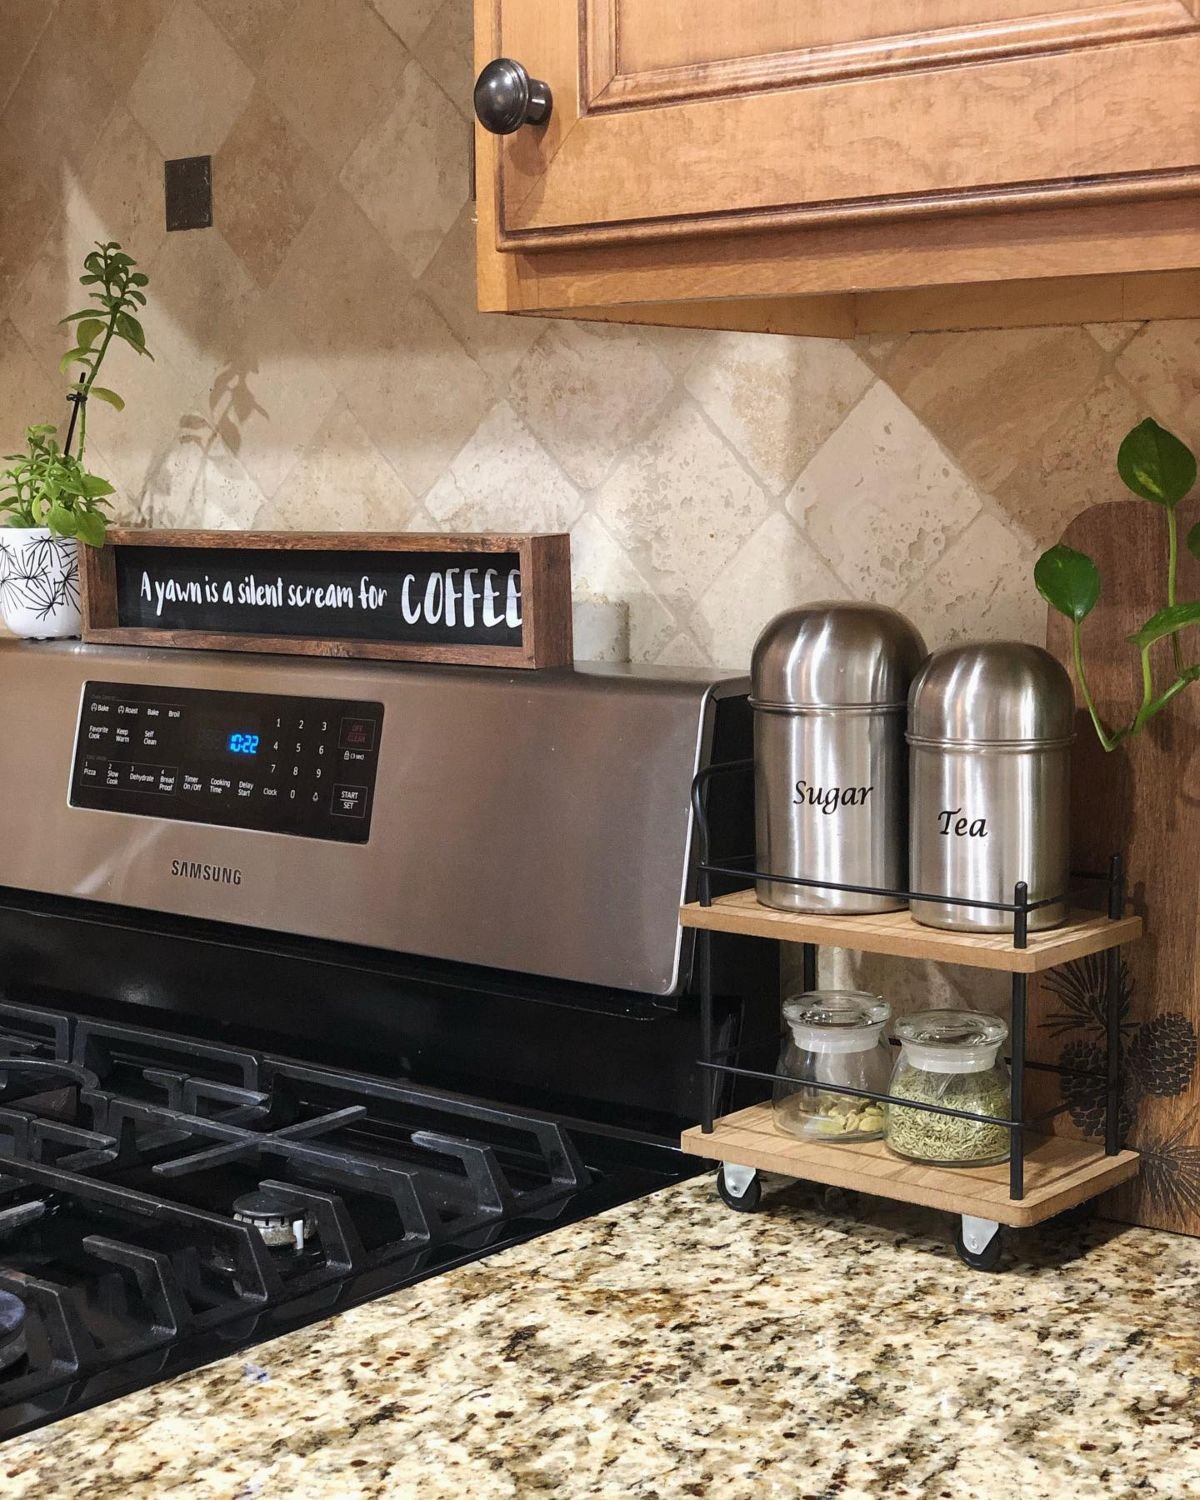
(320, 362)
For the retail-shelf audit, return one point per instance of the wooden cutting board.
(1143, 799)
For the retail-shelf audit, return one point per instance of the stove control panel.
(304, 766)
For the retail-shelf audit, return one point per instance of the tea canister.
(829, 688)
(950, 1058)
(990, 726)
(833, 1037)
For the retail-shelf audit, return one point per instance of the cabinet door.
(709, 117)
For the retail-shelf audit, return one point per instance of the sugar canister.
(829, 686)
(990, 726)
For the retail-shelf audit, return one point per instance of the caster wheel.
(745, 1202)
(987, 1259)
(843, 1203)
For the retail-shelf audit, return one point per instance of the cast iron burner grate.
(159, 1193)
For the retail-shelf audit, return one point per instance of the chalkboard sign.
(486, 600)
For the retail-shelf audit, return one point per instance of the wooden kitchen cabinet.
(836, 167)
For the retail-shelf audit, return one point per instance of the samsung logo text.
(188, 869)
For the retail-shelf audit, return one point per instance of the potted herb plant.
(1156, 466)
(50, 504)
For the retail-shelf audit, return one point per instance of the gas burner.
(282, 1222)
(12, 1330)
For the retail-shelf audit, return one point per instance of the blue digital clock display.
(243, 744)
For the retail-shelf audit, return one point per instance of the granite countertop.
(671, 1348)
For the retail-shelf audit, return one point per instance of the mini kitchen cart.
(1044, 1176)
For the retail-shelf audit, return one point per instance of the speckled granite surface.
(674, 1348)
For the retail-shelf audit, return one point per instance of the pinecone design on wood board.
(1158, 1059)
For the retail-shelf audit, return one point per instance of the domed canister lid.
(992, 692)
(835, 654)
(836, 1020)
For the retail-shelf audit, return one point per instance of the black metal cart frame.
(742, 868)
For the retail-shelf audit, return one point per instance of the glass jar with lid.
(833, 1037)
(951, 1058)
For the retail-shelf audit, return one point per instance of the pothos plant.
(1156, 466)
(48, 485)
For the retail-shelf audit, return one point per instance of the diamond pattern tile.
(341, 483)
(420, 395)
(445, 51)
(62, 99)
(28, 393)
(332, 70)
(191, 87)
(503, 480)
(497, 344)
(27, 216)
(603, 572)
(408, 19)
(342, 290)
(981, 589)
(209, 293)
(252, 27)
(680, 503)
(776, 400)
(1162, 365)
(24, 22)
(991, 396)
(589, 390)
(269, 180)
(198, 474)
(1075, 467)
(124, 186)
(409, 173)
(772, 570)
(321, 362)
(900, 499)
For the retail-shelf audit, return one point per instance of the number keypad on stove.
(303, 766)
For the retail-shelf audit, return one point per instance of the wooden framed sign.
(496, 601)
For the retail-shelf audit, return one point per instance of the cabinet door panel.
(706, 118)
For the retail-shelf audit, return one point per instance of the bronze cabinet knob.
(507, 98)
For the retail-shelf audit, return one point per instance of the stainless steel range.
(319, 978)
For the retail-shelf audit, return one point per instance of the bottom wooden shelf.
(1059, 1172)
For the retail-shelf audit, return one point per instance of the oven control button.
(357, 734)
(349, 801)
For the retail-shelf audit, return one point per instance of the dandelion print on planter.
(39, 583)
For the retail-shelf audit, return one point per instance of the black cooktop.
(166, 1201)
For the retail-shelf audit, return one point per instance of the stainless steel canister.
(990, 726)
(829, 687)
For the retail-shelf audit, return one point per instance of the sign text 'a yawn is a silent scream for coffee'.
(487, 600)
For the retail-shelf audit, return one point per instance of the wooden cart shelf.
(1059, 1173)
(896, 933)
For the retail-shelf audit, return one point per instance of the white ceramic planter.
(39, 583)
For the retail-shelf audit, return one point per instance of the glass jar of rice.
(951, 1058)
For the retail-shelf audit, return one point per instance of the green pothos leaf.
(1167, 622)
(1156, 465)
(1068, 581)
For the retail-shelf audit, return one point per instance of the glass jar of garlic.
(833, 1037)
